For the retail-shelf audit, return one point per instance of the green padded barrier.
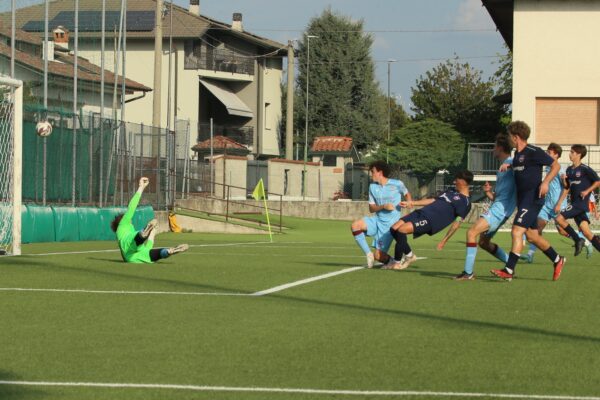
(38, 226)
(66, 224)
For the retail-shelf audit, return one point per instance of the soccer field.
(237, 317)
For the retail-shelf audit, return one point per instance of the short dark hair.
(579, 149)
(115, 222)
(555, 147)
(519, 128)
(381, 166)
(465, 175)
(503, 141)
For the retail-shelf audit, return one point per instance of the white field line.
(116, 250)
(305, 281)
(387, 393)
(125, 292)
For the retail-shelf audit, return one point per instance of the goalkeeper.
(136, 247)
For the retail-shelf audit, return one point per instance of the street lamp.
(387, 157)
(308, 37)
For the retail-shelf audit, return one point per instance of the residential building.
(219, 71)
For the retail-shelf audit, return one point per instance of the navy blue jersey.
(579, 179)
(446, 208)
(527, 166)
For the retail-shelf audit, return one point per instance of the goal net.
(11, 117)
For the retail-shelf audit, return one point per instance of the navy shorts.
(575, 213)
(421, 224)
(527, 215)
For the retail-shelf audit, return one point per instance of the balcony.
(482, 163)
(242, 135)
(219, 60)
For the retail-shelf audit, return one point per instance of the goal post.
(11, 156)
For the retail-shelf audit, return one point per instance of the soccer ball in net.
(43, 128)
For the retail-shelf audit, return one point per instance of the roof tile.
(342, 144)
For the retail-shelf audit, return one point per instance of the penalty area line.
(341, 392)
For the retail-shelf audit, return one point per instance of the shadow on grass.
(17, 392)
(126, 275)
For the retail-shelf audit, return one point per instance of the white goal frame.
(17, 178)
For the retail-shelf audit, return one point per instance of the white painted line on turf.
(397, 393)
(122, 292)
(305, 281)
(116, 250)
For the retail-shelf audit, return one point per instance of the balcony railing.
(242, 135)
(221, 60)
(482, 160)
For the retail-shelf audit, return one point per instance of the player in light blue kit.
(504, 203)
(552, 205)
(385, 195)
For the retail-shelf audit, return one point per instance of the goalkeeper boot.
(178, 249)
(151, 226)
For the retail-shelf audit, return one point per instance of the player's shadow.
(17, 392)
(128, 275)
(443, 320)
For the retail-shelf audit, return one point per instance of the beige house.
(556, 53)
(219, 70)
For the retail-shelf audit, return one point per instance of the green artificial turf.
(366, 330)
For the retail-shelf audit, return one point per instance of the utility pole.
(156, 94)
(389, 130)
(289, 121)
(308, 37)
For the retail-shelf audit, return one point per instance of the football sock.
(157, 254)
(500, 254)
(402, 246)
(596, 242)
(532, 248)
(511, 264)
(361, 239)
(572, 234)
(470, 258)
(552, 255)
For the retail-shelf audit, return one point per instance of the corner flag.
(259, 194)
(259, 191)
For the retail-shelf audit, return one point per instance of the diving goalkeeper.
(136, 247)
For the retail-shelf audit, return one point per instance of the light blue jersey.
(391, 192)
(505, 200)
(555, 190)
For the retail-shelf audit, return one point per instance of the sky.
(467, 31)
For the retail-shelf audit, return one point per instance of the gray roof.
(185, 24)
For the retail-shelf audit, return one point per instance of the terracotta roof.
(341, 144)
(66, 70)
(219, 142)
(20, 35)
(185, 24)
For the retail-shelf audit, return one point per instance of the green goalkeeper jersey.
(126, 233)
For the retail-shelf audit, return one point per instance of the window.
(329, 160)
(268, 116)
(566, 120)
(286, 176)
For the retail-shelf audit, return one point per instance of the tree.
(457, 94)
(503, 75)
(343, 94)
(425, 147)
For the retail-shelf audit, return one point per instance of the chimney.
(50, 55)
(237, 22)
(194, 7)
(61, 37)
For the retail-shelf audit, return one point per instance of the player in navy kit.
(581, 182)
(435, 215)
(527, 165)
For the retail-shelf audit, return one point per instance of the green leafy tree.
(504, 73)
(344, 98)
(457, 94)
(425, 147)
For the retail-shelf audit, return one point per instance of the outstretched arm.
(133, 203)
(451, 231)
